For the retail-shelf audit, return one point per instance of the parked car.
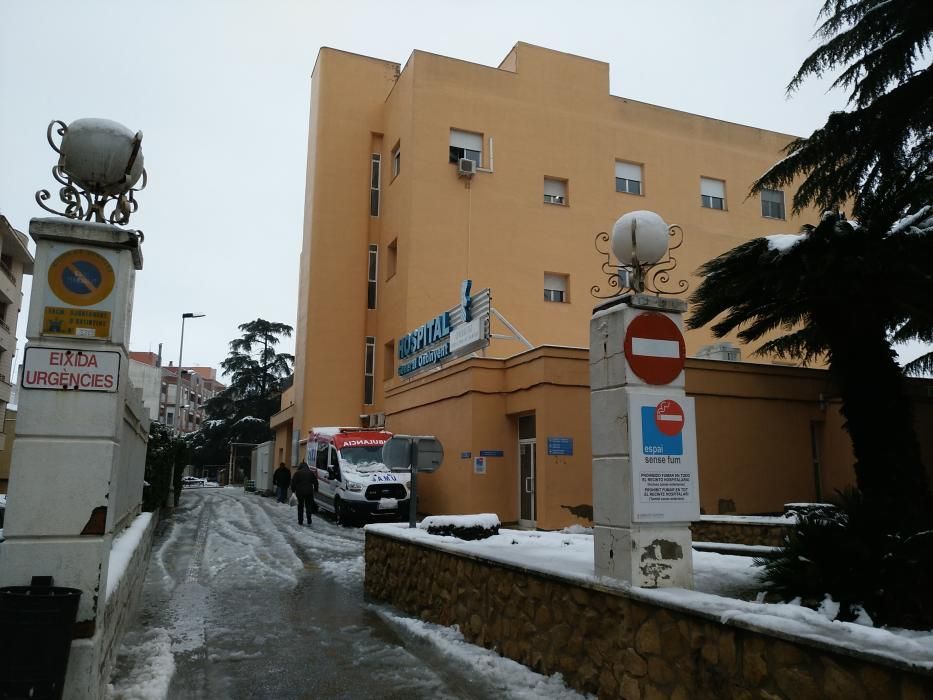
(354, 483)
(192, 481)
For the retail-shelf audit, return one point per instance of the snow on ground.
(510, 678)
(725, 588)
(234, 580)
(149, 679)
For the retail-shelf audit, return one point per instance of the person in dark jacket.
(282, 479)
(304, 484)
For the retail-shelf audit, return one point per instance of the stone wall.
(738, 532)
(606, 642)
(91, 660)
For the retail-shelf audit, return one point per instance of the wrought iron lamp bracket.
(639, 277)
(82, 204)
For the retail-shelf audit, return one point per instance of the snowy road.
(241, 602)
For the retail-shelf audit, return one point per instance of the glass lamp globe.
(641, 235)
(102, 156)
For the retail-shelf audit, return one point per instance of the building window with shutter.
(555, 287)
(772, 204)
(628, 177)
(369, 371)
(374, 185)
(555, 191)
(371, 278)
(464, 144)
(712, 193)
(396, 160)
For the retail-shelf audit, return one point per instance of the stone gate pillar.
(644, 443)
(79, 455)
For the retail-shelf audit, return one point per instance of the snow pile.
(464, 527)
(487, 521)
(721, 582)
(920, 221)
(783, 242)
(121, 551)
(150, 677)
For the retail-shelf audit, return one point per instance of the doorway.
(527, 474)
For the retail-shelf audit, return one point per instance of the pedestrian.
(304, 484)
(282, 479)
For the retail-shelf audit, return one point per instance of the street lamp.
(181, 348)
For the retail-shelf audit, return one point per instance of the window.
(396, 160)
(369, 370)
(392, 259)
(628, 177)
(371, 277)
(555, 287)
(388, 361)
(772, 204)
(463, 144)
(712, 193)
(555, 191)
(170, 419)
(374, 185)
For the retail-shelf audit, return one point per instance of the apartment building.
(198, 386)
(15, 262)
(423, 176)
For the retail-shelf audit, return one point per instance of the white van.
(354, 484)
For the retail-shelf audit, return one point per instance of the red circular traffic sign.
(669, 417)
(654, 348)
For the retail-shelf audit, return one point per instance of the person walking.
(304, 484)
(282, 479)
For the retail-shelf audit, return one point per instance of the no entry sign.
(654, 348)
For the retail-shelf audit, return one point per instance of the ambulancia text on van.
(354, 483)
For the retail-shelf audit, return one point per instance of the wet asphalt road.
(244, 603)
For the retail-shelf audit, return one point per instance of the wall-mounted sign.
(491, 453)
(74, 370)
(664, 458)
(79, 323)
(479, 465)
(454, 333)
(81, 277)
(560, 446)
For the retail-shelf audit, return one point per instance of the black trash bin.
(36, 624)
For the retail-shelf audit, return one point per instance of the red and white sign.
(669, 417)
(655, 348)
(72, 370)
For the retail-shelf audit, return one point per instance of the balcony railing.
(5, 325)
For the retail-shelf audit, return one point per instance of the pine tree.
(241, 412)
(878, 155)
(845, 289)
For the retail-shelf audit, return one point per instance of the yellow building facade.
(392, 228)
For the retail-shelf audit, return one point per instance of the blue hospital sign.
(664, 458)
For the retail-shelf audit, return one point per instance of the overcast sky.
(220, 89)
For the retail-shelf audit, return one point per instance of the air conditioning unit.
(721, 351)
(466, 167)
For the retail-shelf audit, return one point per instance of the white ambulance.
(353, 482)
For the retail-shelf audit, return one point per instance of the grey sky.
(220, 89)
